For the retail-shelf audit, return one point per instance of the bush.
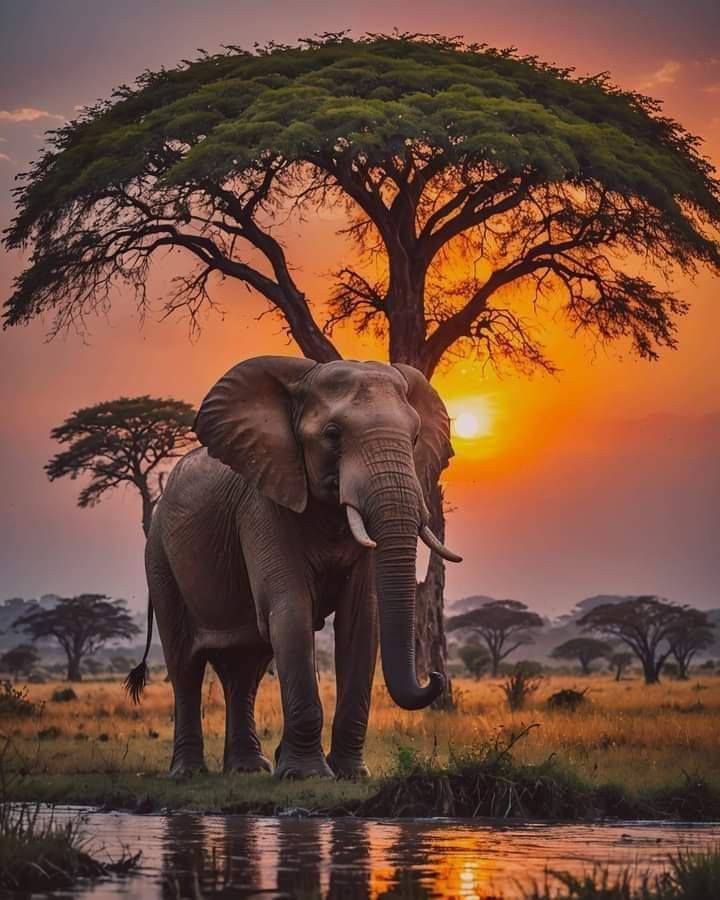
(523, 681)
(567, 699)
(63, 695)
(475, 658)
(14, 703)
(49, 734)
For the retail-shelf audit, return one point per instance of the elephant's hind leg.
(240, 672)
(184, 671)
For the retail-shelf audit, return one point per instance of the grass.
(689, 876)
(45, 856)
(629, 747)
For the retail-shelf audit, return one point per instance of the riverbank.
(629, 752)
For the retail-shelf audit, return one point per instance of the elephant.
(306, 498)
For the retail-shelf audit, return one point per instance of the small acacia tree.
(584, 649)
(484, 192)
(620, 661)
(81, 625)
(645, 624)
(475, 658)
(19, 660)
(693, 632)
(124, 441)
(503, 625)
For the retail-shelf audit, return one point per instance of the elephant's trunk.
(390, 505)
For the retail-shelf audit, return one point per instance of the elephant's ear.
(246, 422)
(433, 449)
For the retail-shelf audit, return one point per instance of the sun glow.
(471, 418)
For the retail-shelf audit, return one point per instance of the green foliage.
(583, 649)
(41, 855)
(63, 695)
(567, 699)
(424, 140)
(20, 659)
(475, 658)
(690, 875)
(14, 703)
(81, 625)
(523, 681)
(503, 625)
(123, 441)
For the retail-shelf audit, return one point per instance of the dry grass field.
(627, 734)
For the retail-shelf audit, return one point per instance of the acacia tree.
(620, 661)
(81, 625)
(692, 632)
(584, 650)
(475, 658)
(483, 191)
(645, 624)
(19, 660)
(503, 625)
(124, 441)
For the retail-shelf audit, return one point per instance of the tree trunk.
(430, 642)
(650, 671)
(73, 672)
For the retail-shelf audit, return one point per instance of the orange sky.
(603, 478)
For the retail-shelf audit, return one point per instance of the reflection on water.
(187, 855)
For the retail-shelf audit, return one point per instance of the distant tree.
(645, 624)
(584, 649)
(522, 681)
(20, 660)
(92, 666)
(121, 664)
(475, 658)
(619, 662)
(124, 441)
(503, 625)
(81, 625)
(693, 631)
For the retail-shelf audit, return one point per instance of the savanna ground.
(100, 748)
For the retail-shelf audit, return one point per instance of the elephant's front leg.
(299, 754)
(356, 641)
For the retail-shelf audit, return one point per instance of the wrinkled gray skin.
(250, 550)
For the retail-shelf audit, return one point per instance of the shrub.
(523, 681)
(567, 699)
(63, 695)
(14, 703)
(50, 733)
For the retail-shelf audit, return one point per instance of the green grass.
(45, 856)
(689, 876)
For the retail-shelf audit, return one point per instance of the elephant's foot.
(296, 766)
(179, 771)
(186, 764)
(241, 763)
(350, 767)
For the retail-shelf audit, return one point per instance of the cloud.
(711, 88)
(666, 74)
(4, 157)
(28, 114)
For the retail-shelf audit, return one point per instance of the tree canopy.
(503, 625)
(81, 625)
(646, 624)
(584, 650)
(124, 441)
(693, 631)
(19, 659)
(512, 171)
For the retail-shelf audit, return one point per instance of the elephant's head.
(369, 436)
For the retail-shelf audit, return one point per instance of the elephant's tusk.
(357, 527)
(435, 544)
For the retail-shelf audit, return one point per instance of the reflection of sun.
(471, 417)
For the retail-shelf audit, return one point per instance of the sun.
(471, 418)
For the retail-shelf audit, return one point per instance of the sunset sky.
(602, 479)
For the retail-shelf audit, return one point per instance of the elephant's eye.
(332, 435)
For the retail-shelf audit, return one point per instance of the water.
(240, 856)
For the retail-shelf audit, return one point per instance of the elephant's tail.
(137, 677)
